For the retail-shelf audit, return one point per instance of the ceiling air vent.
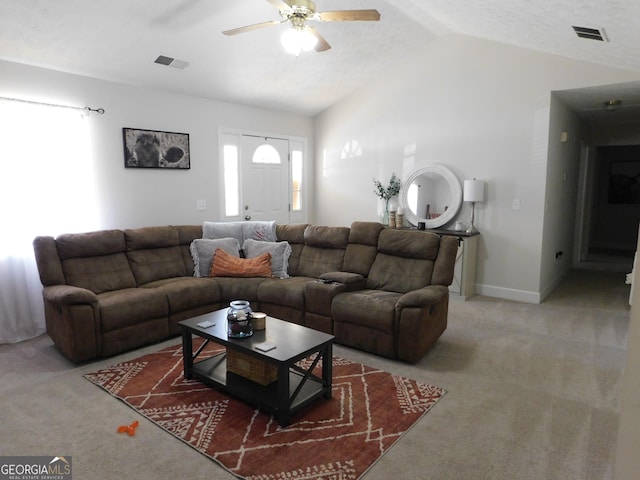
(171, 62)
(591, 33)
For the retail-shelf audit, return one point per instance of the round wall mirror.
(432, 194)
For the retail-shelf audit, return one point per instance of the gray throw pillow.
(256, 230)
(280, 252)
(222, 230)
(203, 249)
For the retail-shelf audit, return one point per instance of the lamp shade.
(473, 190)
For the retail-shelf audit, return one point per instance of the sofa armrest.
(421, 317)
(353, 281)
(319, 295)
(423, 297)
(68, 294)
(73, 321)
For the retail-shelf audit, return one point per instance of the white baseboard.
(508, 293)
(552, 287)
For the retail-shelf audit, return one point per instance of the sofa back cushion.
(186, 235)
(362, 248)
(154, 254)
(323, 251)
(444, 266)
(294, 235)
(95, 261)
(405, 260)
(48, 261)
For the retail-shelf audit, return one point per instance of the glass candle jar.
(239, 319)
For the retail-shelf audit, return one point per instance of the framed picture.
(153, 149)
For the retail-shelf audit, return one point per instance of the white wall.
(480, 108)
(563, 167)
(131, 198)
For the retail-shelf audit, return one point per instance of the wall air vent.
(171, 62)
(591, 33)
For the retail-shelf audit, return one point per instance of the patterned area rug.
(338, 438)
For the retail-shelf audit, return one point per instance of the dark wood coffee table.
(294, 388)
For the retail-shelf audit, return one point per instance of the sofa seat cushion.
(374, 309)
(131, 306)
(365, 320)
(238, 288)
(288, 292)
(187, 293)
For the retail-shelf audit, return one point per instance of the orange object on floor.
(129, 429)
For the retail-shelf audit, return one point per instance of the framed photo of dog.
(156, 149)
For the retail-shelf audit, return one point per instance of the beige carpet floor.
(533, 393)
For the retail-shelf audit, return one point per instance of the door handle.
(247, 217)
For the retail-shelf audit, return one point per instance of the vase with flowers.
(387, 194)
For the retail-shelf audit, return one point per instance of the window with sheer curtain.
(46, 188)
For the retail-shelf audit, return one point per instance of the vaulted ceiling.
(119, 40)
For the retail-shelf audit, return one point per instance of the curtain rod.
(88, 109)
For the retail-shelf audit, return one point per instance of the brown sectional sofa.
(111, 291)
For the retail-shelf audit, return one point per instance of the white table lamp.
(473, 192)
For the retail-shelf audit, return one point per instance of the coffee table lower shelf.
(213, 371)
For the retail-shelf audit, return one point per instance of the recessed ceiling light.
(591, 33)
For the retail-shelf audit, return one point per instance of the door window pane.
(296, 180)
(231, 181)
(266, 154)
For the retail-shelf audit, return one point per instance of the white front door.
(265, 179)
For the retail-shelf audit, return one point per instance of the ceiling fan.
(301, 36)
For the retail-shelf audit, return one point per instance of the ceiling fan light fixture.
(297, 39)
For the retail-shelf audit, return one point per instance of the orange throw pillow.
(225, 265)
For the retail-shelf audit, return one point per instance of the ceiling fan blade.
(322, 44)
(371, 15)
(249, 28)
(279, 4)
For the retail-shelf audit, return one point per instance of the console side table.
(464, 275)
